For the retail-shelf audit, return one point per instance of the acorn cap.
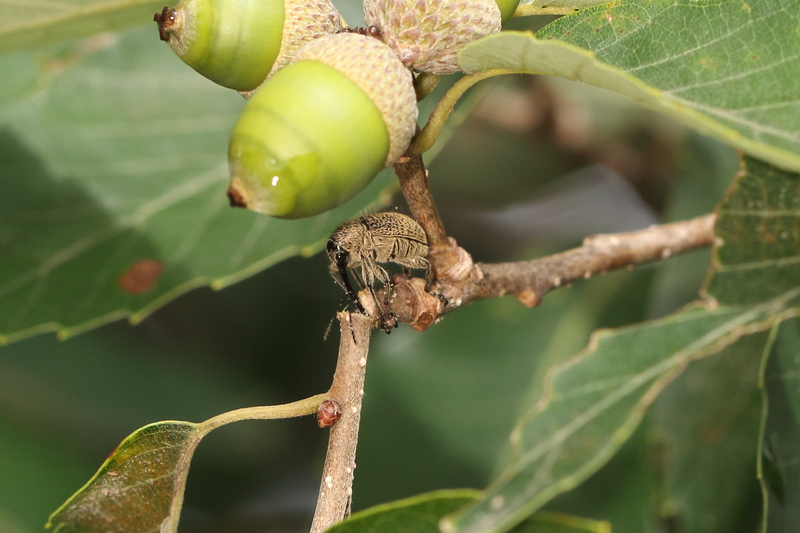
(427, 34)
(379, 73)
(304, 21)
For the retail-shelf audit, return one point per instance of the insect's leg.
(341, 265)
(429, 280)
(423, 263)
(383, 276)
(369, 271)
(388, 318)
(368, 277)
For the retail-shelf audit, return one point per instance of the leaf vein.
(733, 77)
(708, 43)
(782, 262)
(732, 117)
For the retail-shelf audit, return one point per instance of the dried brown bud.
(328, 413)
(416, 306)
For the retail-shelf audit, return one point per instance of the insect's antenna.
(341, 306)
(328, 329)
(330, 324)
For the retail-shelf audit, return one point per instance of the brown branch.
(449, 262)
(531, 280)
(410, 169)
(457, 281)
(346, 393)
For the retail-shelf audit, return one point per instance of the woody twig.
(459, 282)
(346, 393)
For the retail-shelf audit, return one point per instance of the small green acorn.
(239, 43)
(427, 34)
(320, 129)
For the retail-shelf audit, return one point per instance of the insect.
(371, 239)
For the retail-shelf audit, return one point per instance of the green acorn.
(427, 34)
(319, 130)
(239, 43)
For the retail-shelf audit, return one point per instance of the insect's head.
(336, 253)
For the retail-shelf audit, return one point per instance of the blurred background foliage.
(537, 165)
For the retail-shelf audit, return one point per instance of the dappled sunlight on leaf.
(138, 488)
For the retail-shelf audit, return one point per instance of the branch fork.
(458, 281)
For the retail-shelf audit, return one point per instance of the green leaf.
(138, 488)
(759, 228)
(592, 404)
(421, 514)
(726, 69)
(779, 460)
(708, 452)
(624, 492)
(113, 199)
(33, 23)
(418, 513)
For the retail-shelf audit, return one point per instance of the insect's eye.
(333, 247)
(374, 225)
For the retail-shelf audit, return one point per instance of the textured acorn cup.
(319, 130)
(239, 43)
(427, 34)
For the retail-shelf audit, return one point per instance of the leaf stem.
(303, 407)
(425, 139)
(444, 254)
